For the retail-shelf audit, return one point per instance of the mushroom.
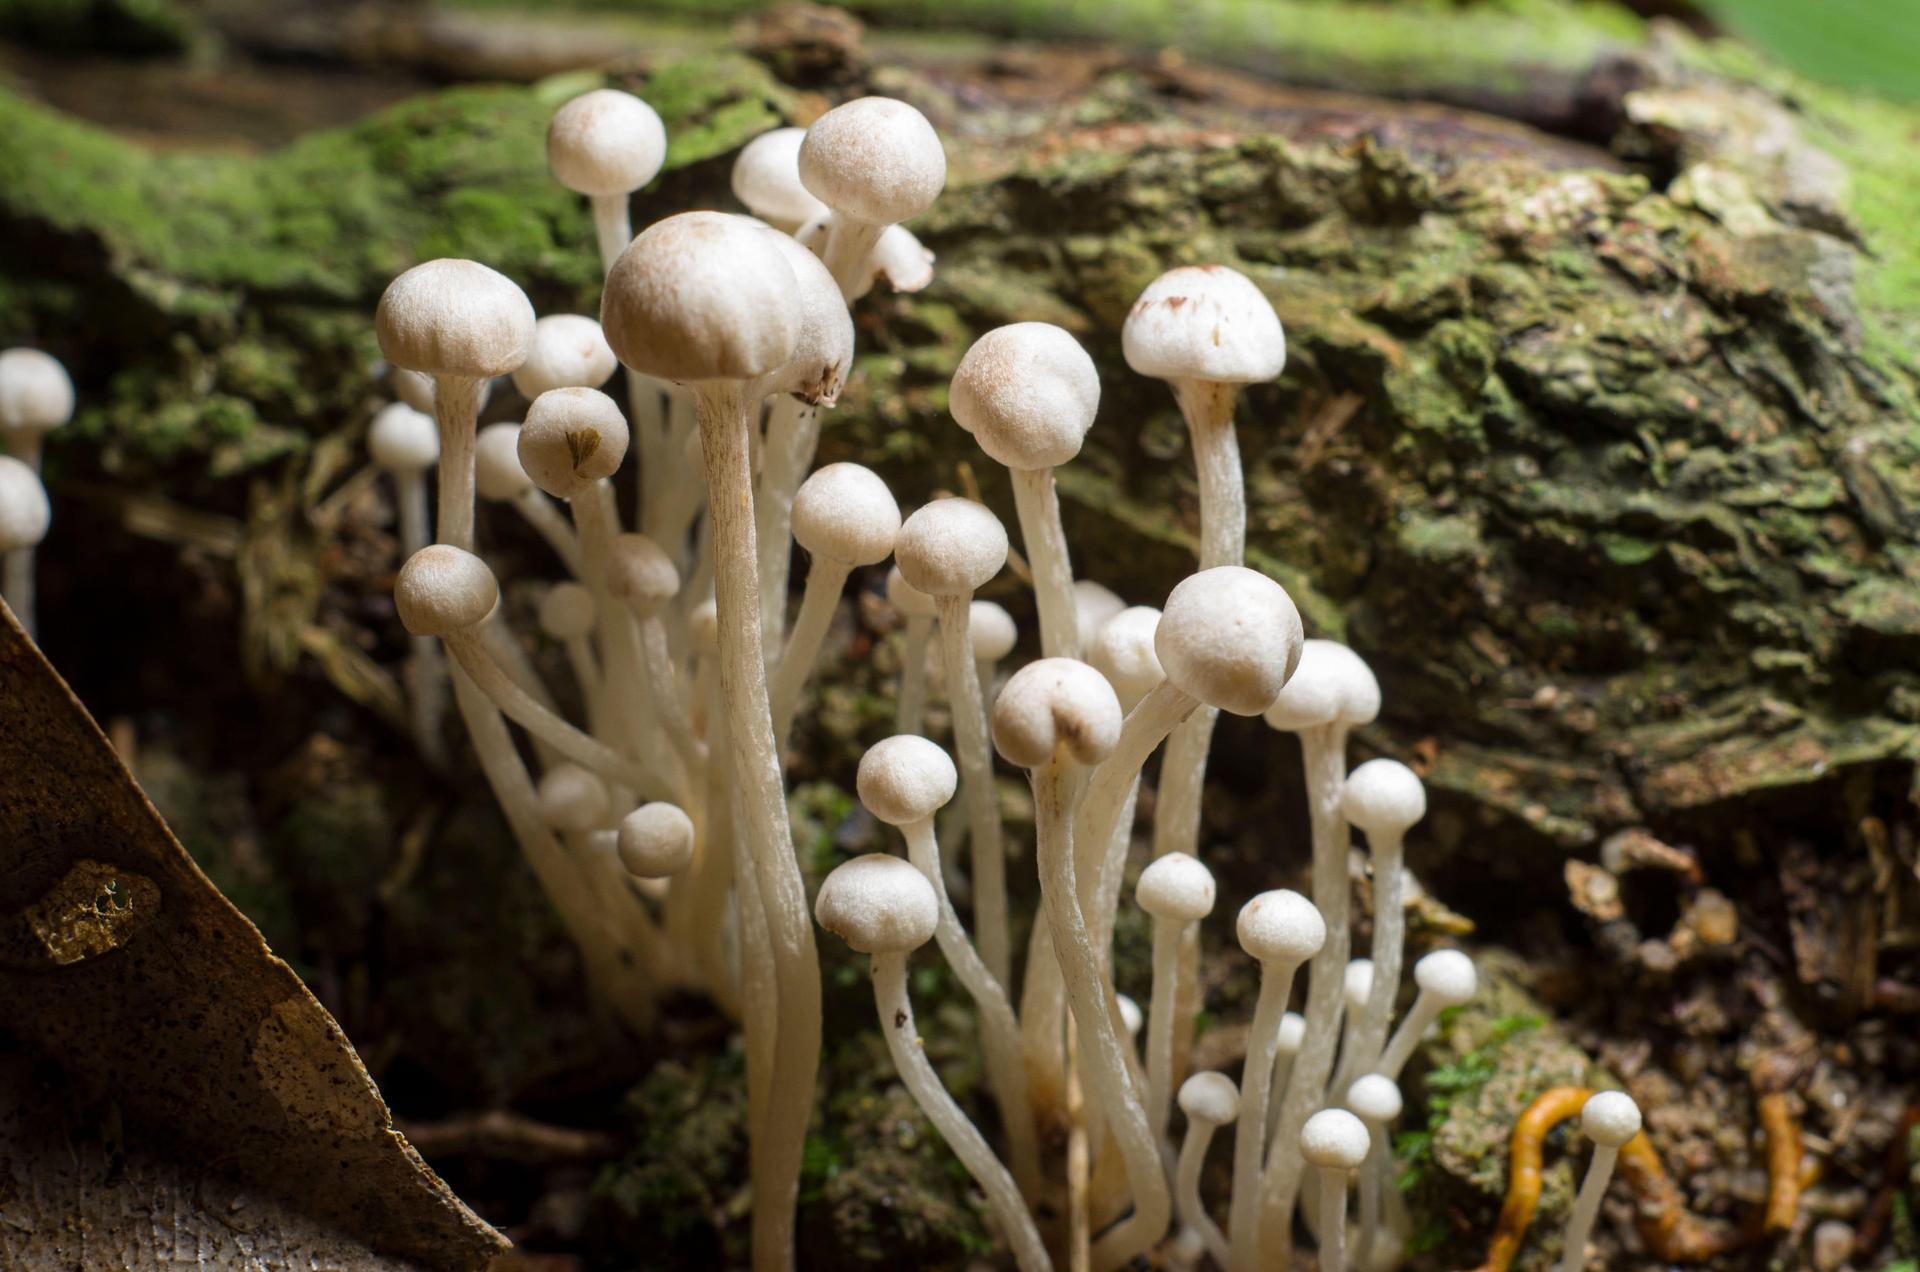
(919, 610)
(1335, 1143)
(1446, 979)
(1028, 393)
(36, 397)
(1123, 652)
(1609, 1119)
(1053, 717)
(606, 144)
(498, 476)
(1210, 1101)
(766, 178)
(874, 161)
(569, 352)
(845, 517)
(948, 549)
(1177, 891)
(24, 518)
(903, 781)
(993, 633)
(656, 841)
(1356, 986)
(462, 324)
(1384, 799)
(884, 907)
(1094, 605)
(1280, 930)
(404, 443)
(1375, 1099)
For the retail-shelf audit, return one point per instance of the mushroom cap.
(1210, 1097)
(24, 511)
(640, 573)
(991, 630)
(1125, 655)
(766, 177)
(1094, 604)
(1204, 322)
(403, 440)
(1028, 393)
(1331, 684)
(878, 905)
(571, 798)
(703, 296)
(1334, 1139)
(416, 389)
(567, 611)
(1053, 704)
(569, 352)
(908, 599)
(1230, 637)
(454, 318)
(605, 142)
(497, 471)
(1356, 983)
(1375, 1097)
(875, 160)
(951, 547)
(905, 779)
(443, 589)
(1293, 1032)
(845, 513)
(1281, 926)
(1176, 887)
(823, 350)
(703, 627)
(1383, 797)
(656, 840)
(1131, 1017)
(1448, 976)
(1610, 1118)
(572, 438)
(36, 393)
(902, 259)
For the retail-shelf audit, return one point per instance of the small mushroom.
(1446, 979)
(1335, 1143)
(994, 634)
(1210, 1101)
(404, 443)
(656, 841)
(766, 178)
(1374, 1098)
(1384, 798)
(1094, 604)
(36, 397)
(1609, 1119)
(499, 477)
(874, 161)
(606, 144)
(569, 352)
(642, 577)
(1177, 891)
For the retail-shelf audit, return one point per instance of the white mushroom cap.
(1125, 655)
(766, 177)
(640, 573)
(1230, 637)
(1054, 704)
(572, 438)
(1281, 926)
(571, 798)
(875, 160)
(901, 259)
(823, 348)
(454, 318)
(1448, 976)
(878, 905)
(703, 296)
(605, 142)
(567, 611)
(845, 513)
(1332, 683)
(703, 626)
(1177, 887)
(1293, 1032)
(992, 631)
(1210, 1097)
(905, 779)
(24, 511)
(1094, 604)
(656, 840)
(569, 352)
(1375, 1098)
(443, 589)
(1610, 1118)
(1357, 983)
(951, 547)
(1383, 797)
(1028, 393)
(416, 389)
(497, 471)
(36, 393)
(905, 597)
(1334, 1139)
(1131, 1017)
(1204, 322)
(403, 440)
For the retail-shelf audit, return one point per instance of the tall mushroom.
(1210, 1101)
(874, 161)
(1609, 1119)
(1384, 798)
(1446, 979)
(1335, 1143)
(1177, 890)
(36, 397)
(403, 443)
(1374, 1098)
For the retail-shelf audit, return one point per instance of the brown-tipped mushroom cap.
(569, 351)
(1028, 393)
(443, 589)
(845, 513)
(572, 438)
(1177, 887)
(640, 573)
(36, 394)
(497, 471)
(951, 547)
(878, 905)
(656, 840)
(605, 142)
(905, 779)
(24, 511)
(1055, 704)
(454, 318)
(1204, 322)
(403, 440)
(1230, 637)
(874, 159)
(1331, 684)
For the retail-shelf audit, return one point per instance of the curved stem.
(1249, 1148)
(1389, 939)
(793, 434)
(825, 580)
(537, 510)
(1046, 543)
(456, 414)
(912, 702)
(910, 1060)
(1425, 1010)
(1186, 1189)
(1586, 1207)
(976, 771)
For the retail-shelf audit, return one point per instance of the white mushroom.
(606, 144)
(656, 841)
(1609, 1119)
(1210, 1101)
(766, 178)
(1375, 1099)
(569, 352)
(1335, 1143)
(1384, 799)
(24, 518)
(875, 161)
(1177, 891)
(499, 477)
(1446, 979)
(36, 397)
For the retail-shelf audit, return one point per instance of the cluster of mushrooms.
(658, 824)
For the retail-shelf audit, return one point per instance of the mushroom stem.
(537, 510)
(1373, 1177)
(910, 1059)
(988, 855)
(726, 414)
(16, 584)
(714, 877)
(612, 225)
(825, 580)
(426, 669)
(456, 413)
(1389, 940)
(598, 523)
(999, 1028)
(847, 252)
(1208, 408)
(1333, 1220)
(663, 690)
(793, 434)
(1244, 1219)
(1038, 506)
(1586, 1208)
(1425, 1010)
(613, 230)
(1162, 1018)
(1186, 1188)
(1104, 1054)
(912, 701)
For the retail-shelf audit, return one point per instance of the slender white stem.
(1249, 1148)
(1586, 1207)
(17, 587)
(612, 225)
(1333, 1221)
(426, 669)
(988, 853)
(664, 694)
(1039, 509)
(1208, 408)
(625, 707)
(825, 579)
(1373, 1177)
(1162, 1019)
(1425, 1010)
(793, 434)
(1186, 1189)
(538, 511)
(848, 253)
(586, 675)
(912, 702)
(910, 1059)
(456, 414)
(704, 911)
(759, 982)
(1389, 941)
